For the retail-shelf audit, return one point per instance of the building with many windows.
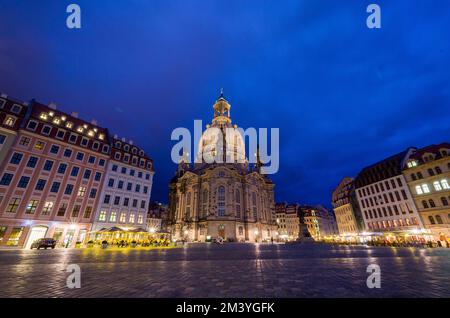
(288, 221)
(346, 209)
(319, 222)
(427, 173)
(227, 199)
(51, 177)
(125, 196)
(385, 198)
(11, 116)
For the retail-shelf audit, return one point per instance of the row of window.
(380, 187)
(437, 219)
(121, 183)
(132, 172)
(431, 204)
(73, 137)
(125, 201)
(387, 211)
(15, 108)
(40, 185)
(437, 185)
(122, 219)
(390, 224)
(431, 172)
(47, 208)
(134, 161)
(386, 198)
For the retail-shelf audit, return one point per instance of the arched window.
(438, 219)
(444, 183)
(188, 204)
(444, 201)
(438, 170)
(432, 205)
(419, 175)
(431, 219)
(221, 200)
(255, 213)
(430, 172)
(413, 176)
(238, 203)
(425, 204)
(205, 203)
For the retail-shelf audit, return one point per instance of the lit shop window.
(113, 217)
(102, 216)
(15, 236)
(131, 220)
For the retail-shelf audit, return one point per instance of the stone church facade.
(233, 201)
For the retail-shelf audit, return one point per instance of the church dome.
(221, 141)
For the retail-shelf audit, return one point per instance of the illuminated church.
(230, 199)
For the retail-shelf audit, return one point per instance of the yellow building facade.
(428, 176)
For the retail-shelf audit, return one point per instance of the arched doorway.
(36, 232)
(222, 231)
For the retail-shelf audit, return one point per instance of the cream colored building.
(427, 173)
(346, 209)
(288, 221)
(233, 201)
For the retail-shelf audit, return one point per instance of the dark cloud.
(342, 95)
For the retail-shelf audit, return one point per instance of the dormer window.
(43, 116)
(134, 151)
(101, 136)
(91, 133)
(126, 148)
(411, 164)
(69, 125)
(444, 152)
(51, 114)
(118, 144)
(80, 129)
(56, 121)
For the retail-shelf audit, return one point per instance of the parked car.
(44, 243)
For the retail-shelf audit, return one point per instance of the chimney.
(74, 114)
(25, 103)
(131, 142)
(52, 105)
(4, 95)
(116, 137)
(94, 122)
(124, 140)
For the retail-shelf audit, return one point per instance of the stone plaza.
(228, 270)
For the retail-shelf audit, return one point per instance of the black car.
(44, 243)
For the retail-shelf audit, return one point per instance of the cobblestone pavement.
(229, 270)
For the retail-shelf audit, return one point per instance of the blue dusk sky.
(344, 96)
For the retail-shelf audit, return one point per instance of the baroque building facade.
(428, 175)
(229, 199)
